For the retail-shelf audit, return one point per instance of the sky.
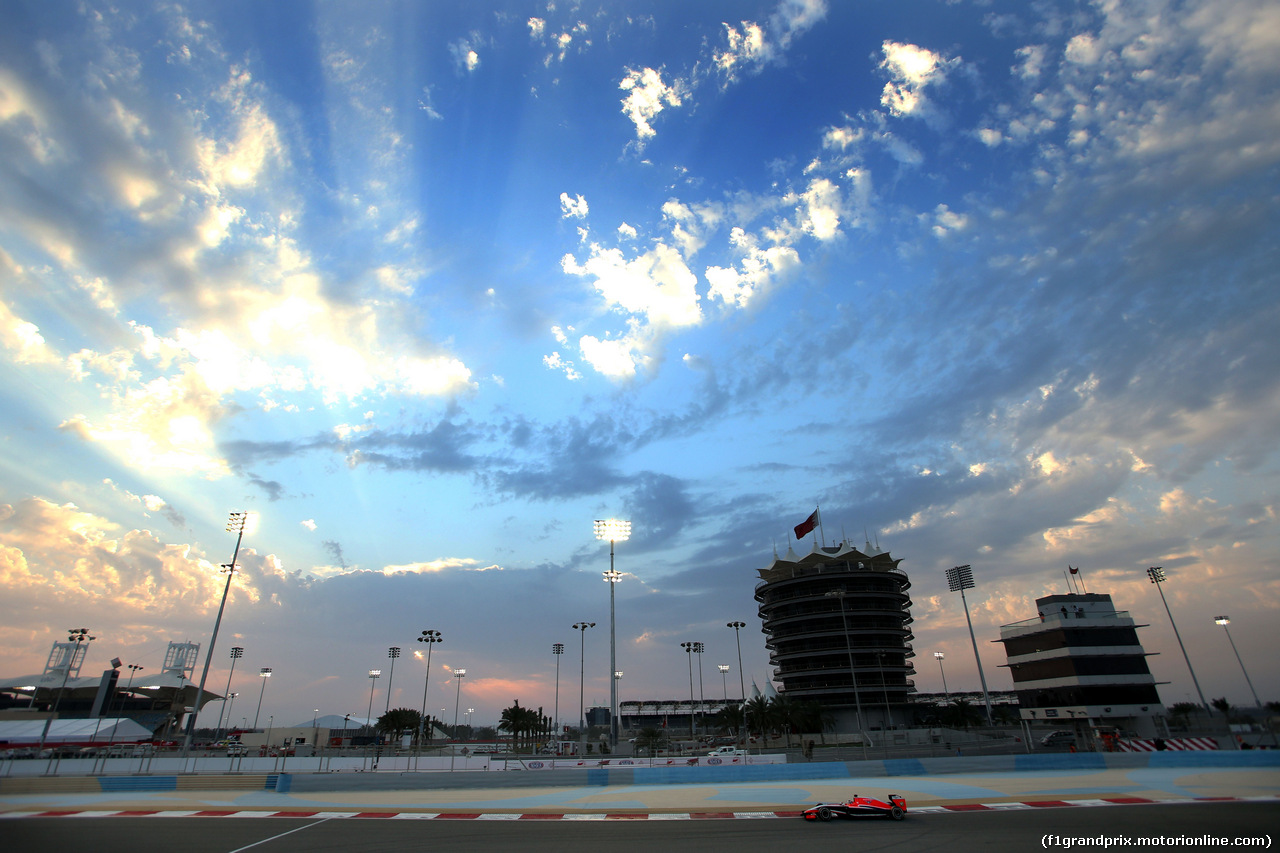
(429, 287)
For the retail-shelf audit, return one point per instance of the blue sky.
(431, 286)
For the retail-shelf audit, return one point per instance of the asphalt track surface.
(1194, 826)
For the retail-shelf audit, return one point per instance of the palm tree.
(648, 741)
(758, 715)
(961, 714)
(397, 721)
(519, 721)
(1221, 704)
(786, 714)
(1005, 714)
(1181, 712)
(726, 720)
(814, 717)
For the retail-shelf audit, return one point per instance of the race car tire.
(824, 813)
(897, 813)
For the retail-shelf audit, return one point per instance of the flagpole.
(821, 531)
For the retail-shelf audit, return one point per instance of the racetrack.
(955, 832)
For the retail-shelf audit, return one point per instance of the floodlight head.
(557, 648)
(265, 672)
(613, 529)
(241, 522)
(960, 578)
(938, 655)
(722, 667)
(1221, 620)
(459, 673)
(374, 673)
(393, 652)
(1156, 574)
(735, 625)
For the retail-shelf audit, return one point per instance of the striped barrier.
(1179, 744)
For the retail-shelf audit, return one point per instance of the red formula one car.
(896, 808)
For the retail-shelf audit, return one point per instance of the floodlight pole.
(237, 652)
(742, 679)
(1224, 621)
(393, 653)
(693, 723)
(235, 523)
(557, 649)
(264, 673)
(853, 673)
(458, 675)
(374, 674)
(959, 579)
(430, 637)
(582, 627)
(80, 637)
(615, 530)
(1156, 575)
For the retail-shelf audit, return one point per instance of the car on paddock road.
(893, 806)
(1061, 737)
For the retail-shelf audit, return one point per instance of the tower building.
(1079, 661)
(837, 626)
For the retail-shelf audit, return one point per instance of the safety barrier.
(1173, 743)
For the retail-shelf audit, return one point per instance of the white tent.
(81, 730)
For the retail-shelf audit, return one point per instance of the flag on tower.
(805, 527)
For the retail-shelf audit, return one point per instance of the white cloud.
(573, 207)
(23, 339)
(441, 565)
(616, 359)
(842, 138)
(911, 69)
(1083, 49)
(758, 268)
(554, 361)
(396, 279)
(746, 48)
(309, 524)
(1033, 60)
(947, 221)
(656, 289)
(241, 161)
(656, 285)
(821, 206)
(465, 56)
(749, 48)
(647, 96)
